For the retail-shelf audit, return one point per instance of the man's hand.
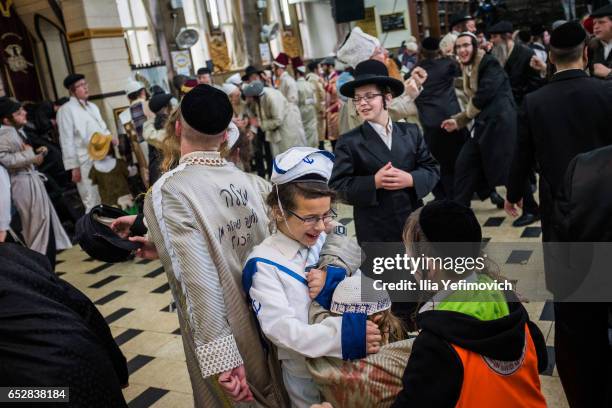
(537, 64)
(511, 209)
(2, 236)
(419, 75)
(373, 337)
(235, 385)
(316, 281)
(412, 88)
(76, 175)
(42, 150)
(396, 179)
(38, 159)
(121, 226)
(147, 250)
(601, 71)
(381, 173)
(322, 405)
(450, 125)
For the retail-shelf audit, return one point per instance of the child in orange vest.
(475, 348)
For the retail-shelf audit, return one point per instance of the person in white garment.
(306, 103)
(285, 82)
(77, 121)
(280, 288)
(5, 203)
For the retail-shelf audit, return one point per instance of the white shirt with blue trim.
(279, 296)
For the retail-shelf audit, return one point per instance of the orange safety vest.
(501, 384)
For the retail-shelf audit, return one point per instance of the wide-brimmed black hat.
(158, 101)
(98, 240)
(250, 70)
(605, 11)
(460, 18)
(8, 106)
(431, 44)
(371, 72)
(501, 27)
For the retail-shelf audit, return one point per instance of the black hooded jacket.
(434, 374)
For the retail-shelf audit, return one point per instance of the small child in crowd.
(108, 173)
(475, 348)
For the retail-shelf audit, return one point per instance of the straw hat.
(99, 145)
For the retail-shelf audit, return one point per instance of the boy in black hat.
(382, 168)
(435, 103)
(569, 115)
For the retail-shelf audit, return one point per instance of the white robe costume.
(77, 121)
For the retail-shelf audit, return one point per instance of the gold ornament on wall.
(290, 44)
(217, 47)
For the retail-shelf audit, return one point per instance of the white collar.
(106, 165)
(288, 246)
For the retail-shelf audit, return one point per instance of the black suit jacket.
(523, 78)
(568, 116)
(380, 214)
(438, 101)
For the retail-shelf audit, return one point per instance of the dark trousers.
(470, 178)
(262, 154)
(445, 148)
(51, 248)
(583, 353)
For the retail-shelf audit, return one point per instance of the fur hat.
(371, 72)
(356, 294)
(431, 44)
(158, 101)
(501, 27)
(207, 109)
(357, 47)
(281, 60)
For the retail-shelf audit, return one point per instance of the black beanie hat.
(71, 79)
(568, 35)
(449, 221)
(207, 109)
(446, 221)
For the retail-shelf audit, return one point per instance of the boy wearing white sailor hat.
(280, 288)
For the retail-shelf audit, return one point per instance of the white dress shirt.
(281, 303)
(385, 132)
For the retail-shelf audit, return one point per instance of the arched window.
(56, 52)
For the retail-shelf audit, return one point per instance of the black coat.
(596, 56)
(495, 125)
(569, 115)
(380, 214)
(438, 100)
(51, 334)
(523, 78)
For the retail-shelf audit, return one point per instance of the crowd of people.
(232, 186)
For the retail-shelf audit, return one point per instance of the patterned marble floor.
(135, 299)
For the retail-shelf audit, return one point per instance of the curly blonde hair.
(171, 147)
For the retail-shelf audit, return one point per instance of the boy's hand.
(316, 281)
(373, 337)
(234, 383)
